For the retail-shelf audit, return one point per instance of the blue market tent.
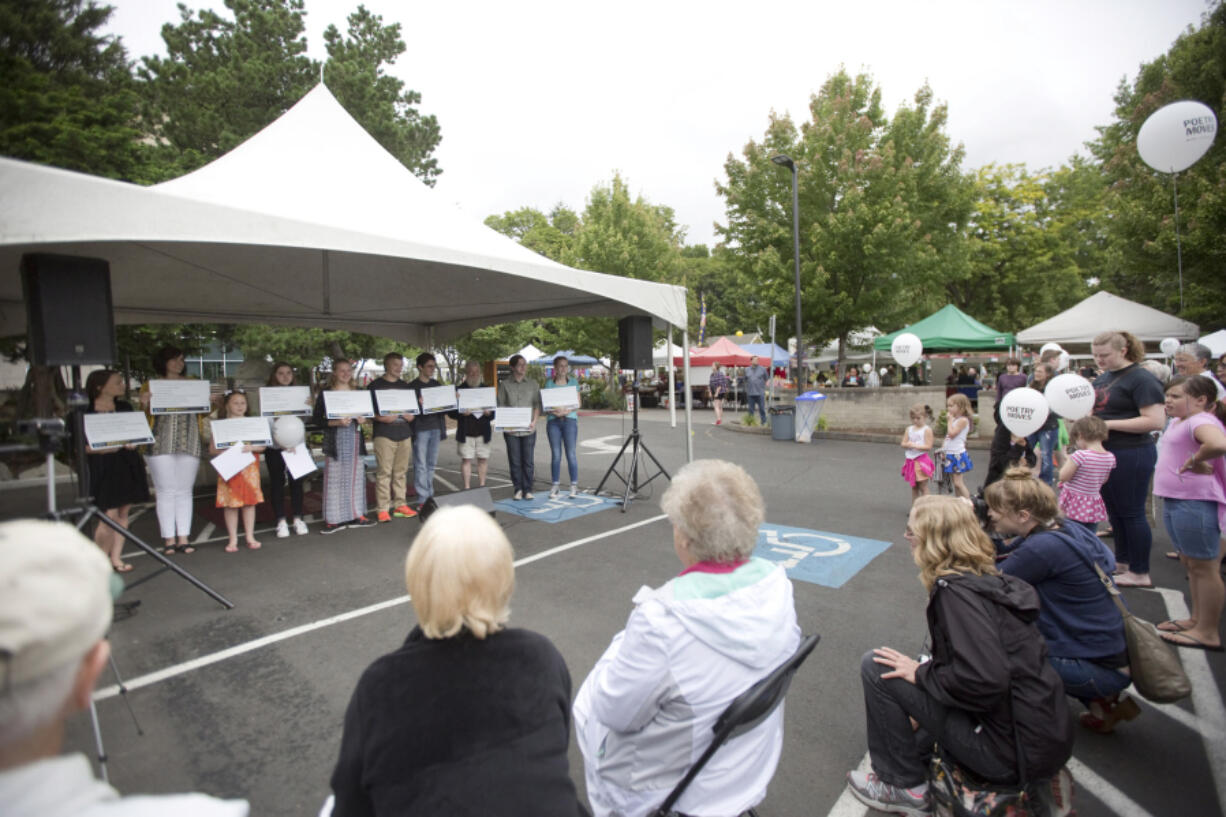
(569, 354)
(779, 357)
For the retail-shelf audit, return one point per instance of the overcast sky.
(540, 100)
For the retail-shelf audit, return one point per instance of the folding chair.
(745, 712)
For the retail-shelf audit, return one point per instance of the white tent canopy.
(1216, 341)
(1103, 312)
(309, 223)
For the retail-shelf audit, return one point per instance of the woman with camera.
(988, 690)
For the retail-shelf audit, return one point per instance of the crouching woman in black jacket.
(988, 689)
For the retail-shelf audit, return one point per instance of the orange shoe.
(404, 512)
(384, 516)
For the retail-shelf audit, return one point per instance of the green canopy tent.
(950, 329)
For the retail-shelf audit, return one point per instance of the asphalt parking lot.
(249, 702)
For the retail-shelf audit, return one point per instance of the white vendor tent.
(308, 223)
(1216, 341)
(1103, 312)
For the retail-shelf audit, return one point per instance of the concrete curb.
(977, 443)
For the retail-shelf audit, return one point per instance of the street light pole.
(786, 161)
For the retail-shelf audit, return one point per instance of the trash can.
(783, 423)
(808, 410)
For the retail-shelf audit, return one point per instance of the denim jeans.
(520, 453)
(1192, 526)
(425, 458)
(1047, 440)
(899, 755)
(760, 399)
(563, 431)
(1087, 681)
(1124, 493)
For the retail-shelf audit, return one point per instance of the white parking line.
(240, 649)
(1111, 797)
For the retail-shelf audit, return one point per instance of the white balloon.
(1175, 136)
(883, 371)
(288, 431)
(1024, 411)
(1062, 361)
(1169, 346)
(1069, 395)
(907, 349)
(1048, 346)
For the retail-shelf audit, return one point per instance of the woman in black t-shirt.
(1130, 400)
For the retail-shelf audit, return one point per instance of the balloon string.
(1178, 240)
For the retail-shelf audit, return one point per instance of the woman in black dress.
(116, 475)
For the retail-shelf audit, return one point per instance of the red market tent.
(723, 352)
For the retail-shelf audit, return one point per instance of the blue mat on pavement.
(818, 557)
(544, 509)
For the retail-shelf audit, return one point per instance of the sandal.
(1171, 626)
(253, 545)
(123, 567)
(232, 547)
(170, 550)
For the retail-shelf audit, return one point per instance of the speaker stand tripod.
(631, 479)
(93, 716)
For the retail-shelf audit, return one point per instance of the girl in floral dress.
(241, 491)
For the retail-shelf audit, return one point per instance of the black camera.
(43, 427)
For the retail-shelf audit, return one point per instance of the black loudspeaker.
(69, 316)
(634, 337)
(476, 496)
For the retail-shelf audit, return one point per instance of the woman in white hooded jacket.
(646, 711)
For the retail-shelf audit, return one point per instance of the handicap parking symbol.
(818, 557)
(543, 509)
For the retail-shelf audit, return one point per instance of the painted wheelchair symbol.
(786, 545)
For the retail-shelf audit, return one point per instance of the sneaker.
(282, 529)
(518, 495)
(874, 792)
(326, 529)
(300, 527)
(362, 522)
(383, 516)
(574, 491)
(553, 494)
(528, 495)
(404, 512)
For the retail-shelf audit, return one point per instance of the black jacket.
(470, 426)
(989, 659)
(459, 727)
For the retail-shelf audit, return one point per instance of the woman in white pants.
(174, 458)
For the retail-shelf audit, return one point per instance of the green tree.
(881, 202)
(1142, 225)
(356, 74)
(67, 98)
(223, 80)
(1022, 263)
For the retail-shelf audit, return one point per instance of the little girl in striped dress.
(1082, 477)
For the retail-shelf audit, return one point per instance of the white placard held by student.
(438, 398)
(241, 431)
(512, 419)
(480, 399)
(340, 404)
(117, 429)
(396, 401)
(231, 461)
(277, 401)
(179, 397)
(560, 397)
